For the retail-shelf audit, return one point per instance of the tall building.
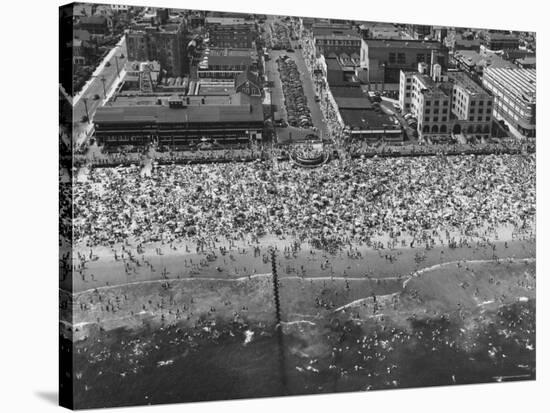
(445, 104)
(230, 32)
(383, 59)
(501, 41)
(166, 44)
(515, 96)
(337, 39)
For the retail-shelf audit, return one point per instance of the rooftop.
(213, 99)
(463, 80)
(353, 102)
(521, 83)
(502, 36)
(381, 30)
(527, 60)
(220, 60)
(482, 59)
(218, 51)
(189, 114)
(430, 85)
(247, 76)
(226, 21)
(397, 43)
(358, 119)
(336, 34)
(346, 91)
(93, 20)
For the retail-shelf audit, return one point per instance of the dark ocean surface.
(216, 361)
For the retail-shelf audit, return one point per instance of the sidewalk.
(97, 71)
(113, 87)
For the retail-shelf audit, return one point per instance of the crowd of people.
(358, 147)
(339, 203)
(223, 154)
(308, 151)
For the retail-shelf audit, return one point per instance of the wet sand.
(246, 258)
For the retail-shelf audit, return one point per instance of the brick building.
(383, 60)
(166, 44)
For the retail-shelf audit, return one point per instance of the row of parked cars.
(298, 113)
(280, 39)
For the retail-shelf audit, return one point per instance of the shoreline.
(262, 275)
(244, 258)
(216, 299)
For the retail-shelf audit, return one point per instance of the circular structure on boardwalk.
(309, 156)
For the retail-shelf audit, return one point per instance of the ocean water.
(233, 361)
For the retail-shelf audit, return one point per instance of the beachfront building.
(515, 96)
(179, 121)
(362, 120)
(445, 104)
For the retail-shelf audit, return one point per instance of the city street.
(307, 83)
(96, 86)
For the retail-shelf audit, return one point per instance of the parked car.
(96, 97)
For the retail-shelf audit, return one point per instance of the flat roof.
(233, 51)
(227, 60)
(192, 114)
(502, 36)
(227, 20)
(360, 119)
(462, 79)
(220, 98)
(353, 102)
(346, 91)
(218, 90)
(338, 36)
(430, 84)
(527, 60)
(475, 58)
(395, 43)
